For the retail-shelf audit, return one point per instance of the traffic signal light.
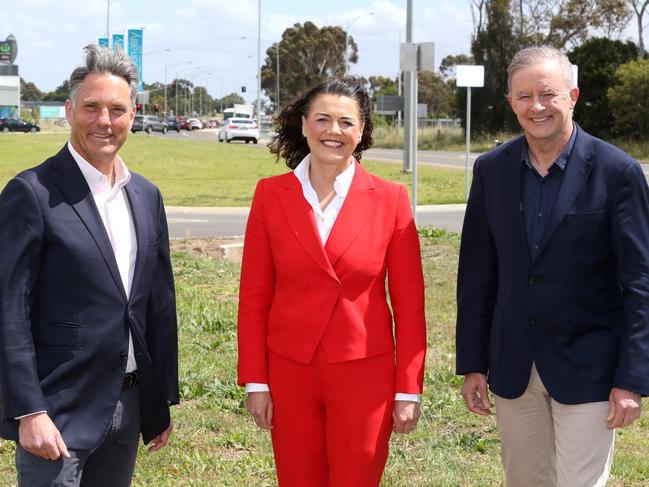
(138, 106)
(243, 89)
(173, 84)
(156, 107)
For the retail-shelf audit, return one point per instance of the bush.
(628, 100)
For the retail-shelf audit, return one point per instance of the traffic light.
(156, 107)
(173, 84)
(243, 89)
(138, 107)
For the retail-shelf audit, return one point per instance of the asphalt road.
(224, 222)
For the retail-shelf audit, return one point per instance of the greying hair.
(102, 60)
(534, 55)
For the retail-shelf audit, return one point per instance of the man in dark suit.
(553, 286)
(88, 338)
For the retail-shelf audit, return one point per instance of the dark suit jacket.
(580, 310)
(296, 294)
(64, 314)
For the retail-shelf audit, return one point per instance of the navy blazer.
(64, 313)
(580, 309)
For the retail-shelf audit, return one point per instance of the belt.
(130, 380)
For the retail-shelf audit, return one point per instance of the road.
(224, 222)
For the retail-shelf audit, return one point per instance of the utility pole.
(410, 94)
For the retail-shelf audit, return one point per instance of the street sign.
(470, 76)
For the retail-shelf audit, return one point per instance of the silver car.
(239, 129)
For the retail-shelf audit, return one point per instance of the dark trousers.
(111, 464)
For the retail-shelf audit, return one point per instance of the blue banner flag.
(118, 42)
(102, 42)
(135, 52)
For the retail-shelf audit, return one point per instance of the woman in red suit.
(326, 367)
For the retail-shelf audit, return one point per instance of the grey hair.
(102, 60)
(534, 55)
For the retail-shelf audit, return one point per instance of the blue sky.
(51, 33)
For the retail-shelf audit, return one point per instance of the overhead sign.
(470, 76)
(8, 50)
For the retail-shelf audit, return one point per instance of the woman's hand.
(405, 416)
(260, 405)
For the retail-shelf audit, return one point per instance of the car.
(148, 124)
(18, 125)
(173, 124)
(239, 129)
(195, 123)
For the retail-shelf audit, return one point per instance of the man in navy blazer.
(553, 286)
(88, 337)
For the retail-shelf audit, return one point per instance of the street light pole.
(167, 66)
(348, 24)
(277, 96)
(259, 62)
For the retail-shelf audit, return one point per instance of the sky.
(51, 34)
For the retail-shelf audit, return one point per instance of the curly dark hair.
(291, 145)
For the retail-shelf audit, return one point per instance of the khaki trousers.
(546, 443)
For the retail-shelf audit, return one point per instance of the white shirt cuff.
(255, 387)
(400, 396)
(30, 414)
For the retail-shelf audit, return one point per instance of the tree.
(436, 94)
(382, 85)
(307, 56)
(493, 47)
(628, 100)
(640, 7)
(228, 101)
(61, 93)
(447, 66)
(598, 59)
(29, 91)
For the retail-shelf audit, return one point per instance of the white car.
(239, 129)
(195, 123)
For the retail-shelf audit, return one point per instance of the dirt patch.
(227, 248)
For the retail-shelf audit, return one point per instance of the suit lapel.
(302, 222)
(137, 213)
(577, 170)
(359, 204)
(75, 188)
(511, 190)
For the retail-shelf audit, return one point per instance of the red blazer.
(295, 293)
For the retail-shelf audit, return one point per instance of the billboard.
(118, 42)
(8, 50)
(135, 52)
(102, 42)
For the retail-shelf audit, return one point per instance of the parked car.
(183, 123)
(239, 129)
(18, 125)
(195, 123)
(148, 124)
(173, 124)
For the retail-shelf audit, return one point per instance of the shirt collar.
(562, 160)
(98, 182)
(342, 182)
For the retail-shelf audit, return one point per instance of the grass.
(215, 444)
(207, 173)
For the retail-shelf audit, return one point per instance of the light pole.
(176, 94)
(199, 75)
(277, 72)
(144, 96)
(166, 66)
(348, 24)
(259, 63)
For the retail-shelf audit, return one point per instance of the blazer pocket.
(59, 335)
(585, 218)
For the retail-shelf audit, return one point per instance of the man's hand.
(475, 394)
(39, 436)
(161, 440)
(405, 415)
(624, 408)
(260, 405)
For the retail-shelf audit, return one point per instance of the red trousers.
(332, 422)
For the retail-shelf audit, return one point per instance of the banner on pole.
(118, 42)
(135, 52)
(102, 42)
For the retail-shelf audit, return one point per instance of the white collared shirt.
(116, 216)
(325, 220)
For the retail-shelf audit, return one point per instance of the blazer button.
(123, 355)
